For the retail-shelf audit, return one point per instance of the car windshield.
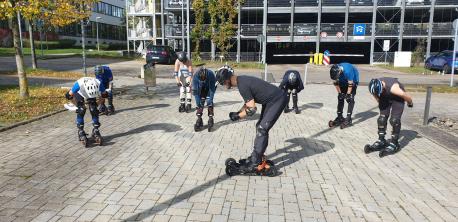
(156, 48)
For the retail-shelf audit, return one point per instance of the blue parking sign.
(359, 29)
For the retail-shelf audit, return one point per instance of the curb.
(2, 129)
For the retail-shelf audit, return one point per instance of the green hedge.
(59, 44)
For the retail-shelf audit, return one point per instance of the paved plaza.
(154, 167)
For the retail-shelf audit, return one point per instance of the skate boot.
(377, 146)
(83, 137)
(181, 108)
(96, 135)
(199, 124)
(247, 166)
(286, 109)
(296, 110)
(110, 110)
(392, 148)
(336, 122)
(210, 118)
(188, 107)
(102, 109)
(346, 123)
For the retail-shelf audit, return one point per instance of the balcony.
(278, 29)
(177, 4)
(144, 33)
(251, 29)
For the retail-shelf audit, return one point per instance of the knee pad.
(81, 110)
(261, 131)
(294, 91)
(395, 123)
(381, 121)
(289, 91)
(199, 111)
(188, 89)
(93, 108)
(341, 97)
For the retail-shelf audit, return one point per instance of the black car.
(160, 54)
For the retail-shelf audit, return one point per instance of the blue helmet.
(375, 87)
(98, 70)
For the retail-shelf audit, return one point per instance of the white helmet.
(89, 87)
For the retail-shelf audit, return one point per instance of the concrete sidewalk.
(154, 167)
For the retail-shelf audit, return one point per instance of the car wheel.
(427, 65)
(446, 69)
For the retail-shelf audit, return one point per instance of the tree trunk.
(23, 85)
(32, 45)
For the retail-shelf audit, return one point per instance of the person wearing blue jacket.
(292, 84)
(346, 80)
(105, 76)
(203, 90)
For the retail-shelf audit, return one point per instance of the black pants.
(341, 101)
(288, 92)
(269, 115)
(393, 108)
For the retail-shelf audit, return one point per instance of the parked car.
(442, 61)
(160, 54)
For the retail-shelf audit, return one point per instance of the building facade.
(356, 27)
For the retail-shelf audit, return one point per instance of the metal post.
(454, 54)
(127, 27)
(238, 32)
(430, 28)
(20, 28)
(318, 27)
(265, 71)
(374, 18)
(97, 28)
(264, 32)
(291, 29)
(153, 18)
(162, 23)
(305, 73)
(188, 32)
(401, 24)
(182, 26)
(427, 105)
(347, 12)
(83, 45)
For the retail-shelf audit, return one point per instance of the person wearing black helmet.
(203, 89)
(255, 91)
(391, 96)
(346, 80)
(183, 77)
(292, 84)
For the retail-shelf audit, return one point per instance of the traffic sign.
(324, 34)
(339, 35)
(386, 45)
(359, 29)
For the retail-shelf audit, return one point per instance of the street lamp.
(97, 25)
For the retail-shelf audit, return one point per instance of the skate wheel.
(230, 170)
(330, 124)
(99, 140)
(85, 143)
(382, 154)
(230, 161)
(342, 126)
(367, 148)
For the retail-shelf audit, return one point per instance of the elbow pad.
(250, 111)
(336, 83)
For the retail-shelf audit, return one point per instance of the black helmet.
(224, 73)
(375, 87)
(98, 70)
(182, 56)
(292, 76)
(335, 71)
(202, 73)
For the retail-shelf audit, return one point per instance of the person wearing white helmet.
(183, 77)
(87, 90)
(292, 84)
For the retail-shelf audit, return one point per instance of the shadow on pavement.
(226, 103)
(407, 136)
(167, 127)
(141, 108)
(311, 106)
(219, 124)
(308, 147)
(290, 158)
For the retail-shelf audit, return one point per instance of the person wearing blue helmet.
(203, 90)
(292, 84)
(346, 80)
(391, 96)
(105, 76)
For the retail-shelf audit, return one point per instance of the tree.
(222, 15)
(419, 52)
(197, 31)
(55, 12)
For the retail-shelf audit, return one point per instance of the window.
(107, 9)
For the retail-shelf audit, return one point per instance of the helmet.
(182, 56)
(375, 87)
(335, 71)
(90, 86)
(224, 73)
(202, 73)
(98, 70)
(292, 77)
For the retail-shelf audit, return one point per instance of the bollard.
(305, 73)
(427, 105)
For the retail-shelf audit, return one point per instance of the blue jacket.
(285, 83)
(106, 77)
(350, 73)
(209, 84)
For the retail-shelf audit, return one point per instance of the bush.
(59, 44)
(116, 46)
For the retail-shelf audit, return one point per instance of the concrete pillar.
(318, 28)
(430, 28)
(238, 32)
(292, 20)
(401, 24)
(374, 19)
(347, 11)
(264, 32)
